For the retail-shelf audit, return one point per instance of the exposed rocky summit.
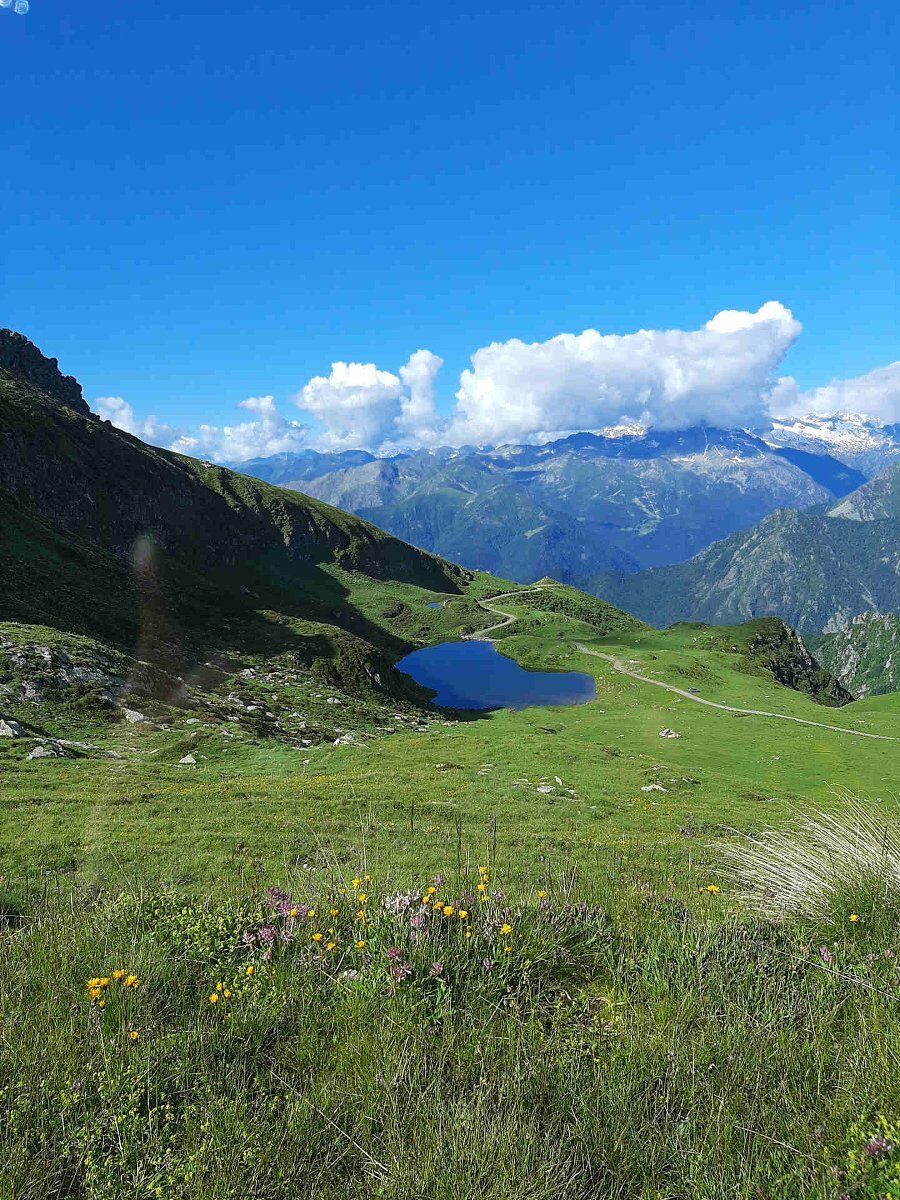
(21, 358)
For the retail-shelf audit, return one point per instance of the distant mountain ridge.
(576, 507)
(816, 569)
(860, 441)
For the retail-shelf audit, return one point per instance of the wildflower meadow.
(641, 1033)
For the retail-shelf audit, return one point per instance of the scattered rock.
(187, 761)
(654, 787)
(669, 733)
(11, 729)
(50, 750)
(132, 716)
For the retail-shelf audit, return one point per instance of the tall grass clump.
(826, 865)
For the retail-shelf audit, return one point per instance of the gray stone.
(47, 751)
(10, 729)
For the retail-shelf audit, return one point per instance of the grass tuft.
(843, 864)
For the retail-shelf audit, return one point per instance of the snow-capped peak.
(856, 439)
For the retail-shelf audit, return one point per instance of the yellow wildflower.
(854, 918)
(133, 1035)
(292, 912)
(449, 910)
(367, 878)
(361, 945)
(542, 895)
(362, 897)
(333, 912)
(506, 930)
(330, 945)
(463, 914)
(214, 998)
(356, 882)
(117, 975)
(250, 969)
(317, 937)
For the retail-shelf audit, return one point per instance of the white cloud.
(418, 417)
(723, 374)
(120, 413)
(671, 379)
(268, 433)
(876, 394)
(360, 405)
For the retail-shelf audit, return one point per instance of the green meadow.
(482, 955)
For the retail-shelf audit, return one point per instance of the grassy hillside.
(607, 1021)
(174, 560)
(272, 926)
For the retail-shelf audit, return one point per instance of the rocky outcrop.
(21, 358)
(782, 653)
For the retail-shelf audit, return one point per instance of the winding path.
(479, 634)
(619, 666)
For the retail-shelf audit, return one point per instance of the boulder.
(132, 716)
(47, 750)
(11, 729)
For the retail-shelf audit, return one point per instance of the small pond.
(477, 675)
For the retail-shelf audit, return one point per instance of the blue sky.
(210, 201)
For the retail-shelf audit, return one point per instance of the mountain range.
(108, 537)
(576, 507)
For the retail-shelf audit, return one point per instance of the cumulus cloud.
(119, 412)
(724, 374)
(418, 417)
(360, 406)
(876, 394)
(721, 375)
(267, 433)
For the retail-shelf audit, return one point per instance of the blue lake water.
(476, 675)
(434, 604)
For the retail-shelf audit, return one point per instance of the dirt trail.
(487, 605)
(618, 665)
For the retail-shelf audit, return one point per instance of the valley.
(260, 894)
